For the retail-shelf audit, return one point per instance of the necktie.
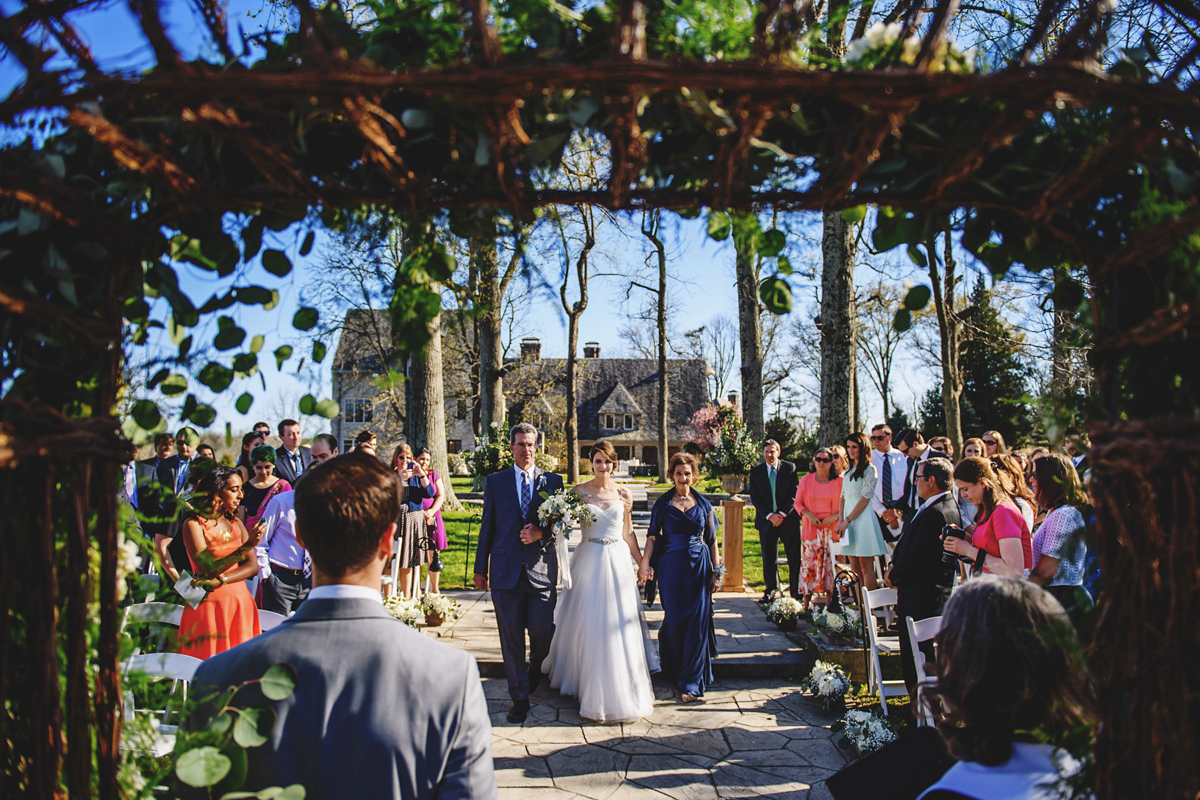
(182, 479)
(526, 494)
(130, 485)
(887, 481)
(296, 468)
(771, 479)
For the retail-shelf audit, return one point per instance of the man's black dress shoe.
(766, 599)
(520, 710)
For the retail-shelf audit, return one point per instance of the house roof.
(620, 401)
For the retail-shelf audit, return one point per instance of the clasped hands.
(530, 533)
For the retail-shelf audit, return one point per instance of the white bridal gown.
(601, 652)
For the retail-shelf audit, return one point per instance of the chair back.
(880, 603)
(175, 666)
(161, 613)
(269, 619)
(922, 631)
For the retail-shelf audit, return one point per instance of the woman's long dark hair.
(858, 465)
(977, 469)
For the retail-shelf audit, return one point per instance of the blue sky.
(704, 287)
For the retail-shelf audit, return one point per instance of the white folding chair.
(163, 615)
(177, 668)
(269, 619)
(880, 603)
(922, 631)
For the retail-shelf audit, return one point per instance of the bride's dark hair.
(605, 449)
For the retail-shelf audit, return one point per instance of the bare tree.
(717, 343)
(652, 229)
(943, 283)
(878, 339)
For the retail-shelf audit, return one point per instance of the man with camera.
(920, 575)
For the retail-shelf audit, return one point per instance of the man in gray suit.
(379, 710)
(522, 564)
(290, 458)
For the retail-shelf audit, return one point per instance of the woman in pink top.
(818, 502)
(1001, 543)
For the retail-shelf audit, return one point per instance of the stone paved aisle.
(750, 738)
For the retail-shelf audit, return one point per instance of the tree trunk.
(745, 231)
(426, 422)
(948, 333)
(490, 297)
(839, 367)
(650, 230)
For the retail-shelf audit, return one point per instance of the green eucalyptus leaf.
(902, 321)
(308, 404)
(254, 295)
(282, 354)
(305, 319)
(294, 792)
(252, 238)
(688, 213)
(229, 338)
(158, 378)
(276, 262)
(917, 298)
(327, 409)
(318, 352)
(854, 215)
(215, 376)
(253, 726)
(204, 415)
(771, 243)
(307, 245)
(784, 266)
(243, 403)
(256, 344)
(185, 347)
(776, 295)
(279, 681)
(719, 226)
(204, 766)
(245, 363)
(916, 256)
(175, 384)
(221, 723)
(189, 405)
(146, 414)
(238, 766)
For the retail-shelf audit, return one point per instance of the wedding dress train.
(601, 651)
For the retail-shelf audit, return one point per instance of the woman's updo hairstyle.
(683, 458)
(605, 449)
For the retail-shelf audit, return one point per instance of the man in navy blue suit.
(516, 558)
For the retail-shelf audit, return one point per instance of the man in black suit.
(290, 458)
(146, 497)
(772, 489)
(921, 580)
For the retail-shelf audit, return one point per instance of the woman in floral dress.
(818, 500)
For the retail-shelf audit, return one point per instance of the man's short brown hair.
(343, 506)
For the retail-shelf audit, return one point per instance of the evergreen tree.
(995, 381)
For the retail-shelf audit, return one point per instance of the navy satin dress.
(686, 641)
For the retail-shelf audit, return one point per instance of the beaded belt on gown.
(603, 541)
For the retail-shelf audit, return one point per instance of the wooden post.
(731, 545)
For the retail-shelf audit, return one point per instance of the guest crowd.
(233, 529)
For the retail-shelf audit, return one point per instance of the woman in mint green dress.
(858, 528)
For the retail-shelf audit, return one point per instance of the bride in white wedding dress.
(601, 651)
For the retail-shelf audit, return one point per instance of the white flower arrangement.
(827, 680)
(880, 40)
(406, 609)
(445, 607)
(783, 609)
(562, 508)
(866, 731)
(844, 623)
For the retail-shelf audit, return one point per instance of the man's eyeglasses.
(822, 460)
(879, 437)
(938, 449)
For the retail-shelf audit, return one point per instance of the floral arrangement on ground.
(783, 609)
(440, 605)
(864, 730)
(846, 622)
(406, 609)
(827, 681)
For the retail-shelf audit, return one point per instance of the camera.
(958, 533)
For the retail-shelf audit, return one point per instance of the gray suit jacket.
(284, 467)
(379, 710)
(499, 533)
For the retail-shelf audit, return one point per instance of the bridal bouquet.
(562, 508)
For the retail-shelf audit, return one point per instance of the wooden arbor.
(1085, 175)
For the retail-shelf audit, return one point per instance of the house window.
(629, 422)
(454, 445)
(461, 411)
(608, 421)
(358, 410)
(623, 452)
(347, 445)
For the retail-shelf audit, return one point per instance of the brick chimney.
(733, 399)
(591, 350)
(531, 348)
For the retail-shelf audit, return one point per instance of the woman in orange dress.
(818, 502)
(222, 558)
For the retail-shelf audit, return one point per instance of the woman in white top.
(1008, 663)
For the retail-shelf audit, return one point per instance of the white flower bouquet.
(843, 623)
(406, 609)
(562, 508)
(828, 681)
(783, 609)
(867, 732)
(440, 605)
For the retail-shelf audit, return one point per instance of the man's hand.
(776, 519)
(889, 516)
(530, 533)
(481, 581)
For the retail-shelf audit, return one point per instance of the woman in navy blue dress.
(681, 550)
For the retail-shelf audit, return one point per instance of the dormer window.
(629, 422)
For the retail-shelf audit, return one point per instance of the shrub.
(545, 461)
